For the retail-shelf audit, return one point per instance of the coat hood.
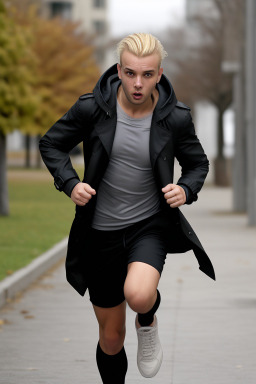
(106, 89)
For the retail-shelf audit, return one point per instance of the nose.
(138, 82)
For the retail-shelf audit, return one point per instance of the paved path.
(207, 328)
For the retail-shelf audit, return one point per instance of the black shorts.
(144, 241)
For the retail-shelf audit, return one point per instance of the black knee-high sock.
(112, 368)
(146, 319)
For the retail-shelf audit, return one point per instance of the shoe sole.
(157, 368)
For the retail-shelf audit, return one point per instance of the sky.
(129, 16)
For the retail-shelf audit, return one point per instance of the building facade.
(93, 18)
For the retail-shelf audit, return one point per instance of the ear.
(119, 71)
(160, 72)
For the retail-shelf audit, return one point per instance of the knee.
(138, 301)
(112, 340)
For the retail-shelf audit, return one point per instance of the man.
(127, 215)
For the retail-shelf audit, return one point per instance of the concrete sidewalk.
(207, 328)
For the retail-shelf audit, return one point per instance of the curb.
(20, 280)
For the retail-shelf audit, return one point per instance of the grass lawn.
(40, 216)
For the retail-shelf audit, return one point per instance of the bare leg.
(142, 296)
(111, 327)
(140, 286)
(110, 354)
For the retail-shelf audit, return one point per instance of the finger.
(82, 195)
(169, 194)
(175, 205)
(176, 201)
(80, 202)
(89, 189)
(173, 200)
(167, 188)
(77, 202)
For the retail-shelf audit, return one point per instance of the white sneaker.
(150, 354)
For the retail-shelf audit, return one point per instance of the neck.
(137, 111)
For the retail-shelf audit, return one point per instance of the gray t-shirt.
(127, 192)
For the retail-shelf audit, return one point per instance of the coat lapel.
(102, 138)
(159, 137)
(105, 130)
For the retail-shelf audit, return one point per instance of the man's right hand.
(82, 193)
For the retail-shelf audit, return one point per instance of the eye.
(129, 73)
(148, 74)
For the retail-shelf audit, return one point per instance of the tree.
(45, 66)
(199, 71)
(65, 64)
(17, 100)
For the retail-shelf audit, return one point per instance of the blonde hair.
(141, 44)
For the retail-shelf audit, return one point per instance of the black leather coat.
(92, 120)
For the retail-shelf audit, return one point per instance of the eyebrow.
(147, 71)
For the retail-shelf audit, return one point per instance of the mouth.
(137, 95)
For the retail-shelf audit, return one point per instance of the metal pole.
(250, 66)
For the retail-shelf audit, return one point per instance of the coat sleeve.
(61, 138)
(191, 157)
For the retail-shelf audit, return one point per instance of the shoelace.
(148, 343)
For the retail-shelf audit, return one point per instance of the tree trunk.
(38, 155)
(220, 137)
(27, 149)
(222, 172)
(239, 180)
(4, 201)
(222, 168)
(250, 88)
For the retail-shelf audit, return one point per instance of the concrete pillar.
(250, 89)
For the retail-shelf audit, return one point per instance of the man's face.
(139, 76)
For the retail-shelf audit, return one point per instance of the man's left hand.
(175, 195)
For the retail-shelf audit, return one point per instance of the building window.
(99, 3)
(61, 9)
(99, 26)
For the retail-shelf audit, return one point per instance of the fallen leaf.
(4, 321)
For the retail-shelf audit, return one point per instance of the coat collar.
(105, 93)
